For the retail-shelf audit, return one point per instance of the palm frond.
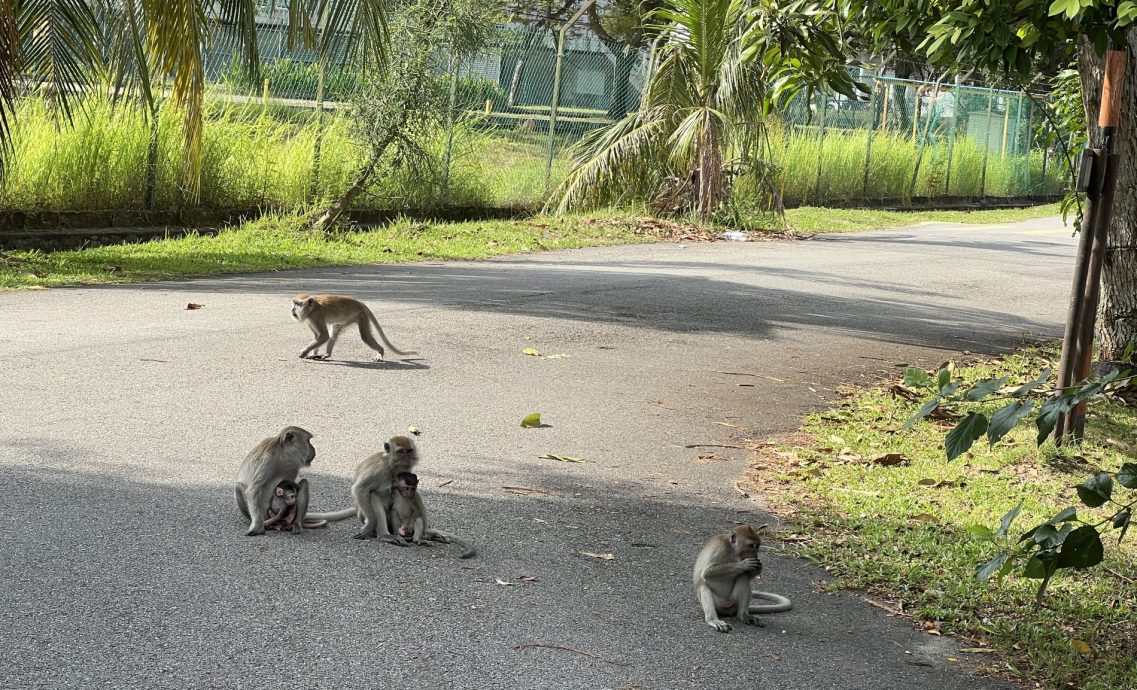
(242, 14)
(10, 59)
(60, 47)
(605, 155)
(175, 35)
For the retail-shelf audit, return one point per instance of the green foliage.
(293, 79)
(1045, 549)
(723, 67)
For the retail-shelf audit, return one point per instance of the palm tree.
(72, 45)
(723, 67)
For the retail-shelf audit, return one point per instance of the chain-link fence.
(917, 139)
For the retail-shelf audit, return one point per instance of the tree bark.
(1117, 309)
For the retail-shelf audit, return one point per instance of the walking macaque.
(281, 513)
(408, 516)
(318, 312)
(272, 461)
(722, 577)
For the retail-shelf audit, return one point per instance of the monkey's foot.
(423, 542)
(255, 532)
(319, 358)
(366, 534)
(378, 358)
(751, 620)
(720, 625)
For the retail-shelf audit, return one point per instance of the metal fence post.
(868, 138)
(557, 92)
(986, 144)
(822, 96)
(317, 146)
(450, 117)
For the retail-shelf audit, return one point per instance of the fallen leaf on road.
(413, 430)
(535, 645)
(503, 583)
(192, 305)
(977, 650)
(527, 578)
(532, 352)
(560, 458)
(559, 355)
(601, 556)
(531, 421)
(523, 490)
(448, 481)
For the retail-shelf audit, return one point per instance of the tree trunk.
(1117, 310)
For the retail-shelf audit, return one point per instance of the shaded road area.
(124, 564)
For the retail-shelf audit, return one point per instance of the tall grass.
(257, 155)
(851, 165)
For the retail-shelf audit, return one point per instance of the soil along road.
(126, 415)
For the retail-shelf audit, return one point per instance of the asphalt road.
(124, 561)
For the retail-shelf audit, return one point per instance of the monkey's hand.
(720, 625)
(746, 619)
(750, 565)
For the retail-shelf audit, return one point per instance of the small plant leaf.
(924, 411)
(531, 421)
(1127, 476)
(1081, 549)
(1022, 390)
(1064, 515)
(984, 388)
(1005, 522)
(1048, 416)
(943, 377)
(1005, 419)
(916, 378)
(985, 571)
(1080, 647)
(960, 439)
(981, 532)
(1096, 490)
(1122, 521)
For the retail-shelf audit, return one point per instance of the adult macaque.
(272, 461)
(372, 484)
(281, 513)
(722, 575)
(317, 312)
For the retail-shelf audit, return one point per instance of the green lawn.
(899, 531)
(279, 242)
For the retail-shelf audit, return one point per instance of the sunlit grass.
(899, 531)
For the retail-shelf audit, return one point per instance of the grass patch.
(816, 219)
(279, 242)
(899, 531)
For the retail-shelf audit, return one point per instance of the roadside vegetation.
(280, 241)
(882, 510)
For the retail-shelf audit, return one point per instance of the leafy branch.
(1065, 540)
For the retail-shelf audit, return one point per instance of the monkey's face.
(287, 495)
(406, 489)
(746, 543)
(302, 307)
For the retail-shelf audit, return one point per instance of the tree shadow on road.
(114, 567)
